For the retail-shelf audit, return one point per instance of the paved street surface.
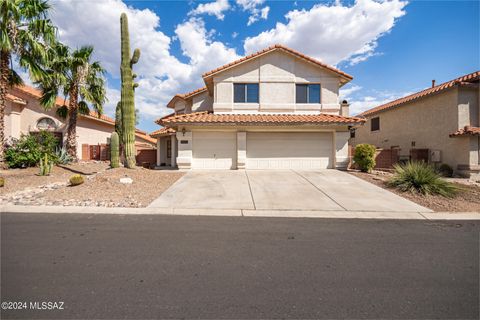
(323, 190)
(152, 266)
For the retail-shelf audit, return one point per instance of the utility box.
(435, 156)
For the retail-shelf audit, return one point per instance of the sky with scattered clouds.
(392, 48)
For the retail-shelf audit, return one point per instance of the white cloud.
(161, 75)
(361, 104)
(346, 93)
(333, 33)
(234, 35)
(215, 8)
(256, 13)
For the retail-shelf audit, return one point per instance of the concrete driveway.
(319, 190)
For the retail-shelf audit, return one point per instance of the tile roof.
(263, 119)
(277, 47)
(37, 93)
(466, 79)
(11, 97)
(468, 130)
(162, 132)
(184, 96)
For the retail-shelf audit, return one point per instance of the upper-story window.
(307, 93)
(375, 125)
(245, 92)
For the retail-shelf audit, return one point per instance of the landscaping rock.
(126, 180)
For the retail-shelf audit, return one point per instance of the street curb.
(245, 213)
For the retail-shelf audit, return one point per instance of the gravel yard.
(102, 186)
(106, 190)
(467, 200)
(19, 179)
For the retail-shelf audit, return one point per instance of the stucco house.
(24, 114)
(274, 109)
(443, 121)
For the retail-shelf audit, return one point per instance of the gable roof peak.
(284, 48)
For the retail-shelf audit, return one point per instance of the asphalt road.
(140, 267)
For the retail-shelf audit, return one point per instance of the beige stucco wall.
(276, 72)
(428, 122)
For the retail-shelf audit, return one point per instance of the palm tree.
(25, 33)
(76, 78)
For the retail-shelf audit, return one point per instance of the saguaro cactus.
(127, 100)
(114, 150)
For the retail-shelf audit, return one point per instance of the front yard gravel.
(100, 189)
(467, 200)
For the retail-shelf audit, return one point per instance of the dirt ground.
(105, 189)
(467, 200)
(19, 179)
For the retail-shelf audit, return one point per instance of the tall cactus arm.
(135, 57)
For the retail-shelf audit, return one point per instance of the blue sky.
(392, 48)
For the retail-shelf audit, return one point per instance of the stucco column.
(184, 159)
(158, 152)
(173, 159)
(15, 119)
(341, 149)
(241, 149)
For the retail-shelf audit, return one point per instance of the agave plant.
(421, 178)
(62, 155)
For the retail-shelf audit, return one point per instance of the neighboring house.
(24, 114)
(442, 121)
(274, 109)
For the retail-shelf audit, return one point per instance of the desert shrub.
(445, 170)
(62, 155)
(76, 180)
(365, 157)
(2, 181)
(29, 149)
(422, 178)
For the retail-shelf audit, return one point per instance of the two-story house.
(274, 109)
(443, 121)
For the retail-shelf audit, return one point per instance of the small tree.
(365, 157)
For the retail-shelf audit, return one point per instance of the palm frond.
(83, 108)
(14, 78)
(49, 97)
(62, 112)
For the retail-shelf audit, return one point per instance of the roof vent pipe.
(433, 83)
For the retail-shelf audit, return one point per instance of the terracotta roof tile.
(277, 47)
(466, 79)
(467, 130)
(252, 119)
(162, 132)
(11, 97)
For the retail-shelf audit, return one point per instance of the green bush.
(29, 149)
(365, 157)
(76, 180)
(422, 178)
(445, 170)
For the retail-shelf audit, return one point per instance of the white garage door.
(214, 150)
(289, 150)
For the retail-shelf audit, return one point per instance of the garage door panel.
(289, 150)
(214, 150)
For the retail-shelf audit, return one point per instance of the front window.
(375, 126)
(169, 148)
(46, 124)
(245, 92)
(307, 93)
